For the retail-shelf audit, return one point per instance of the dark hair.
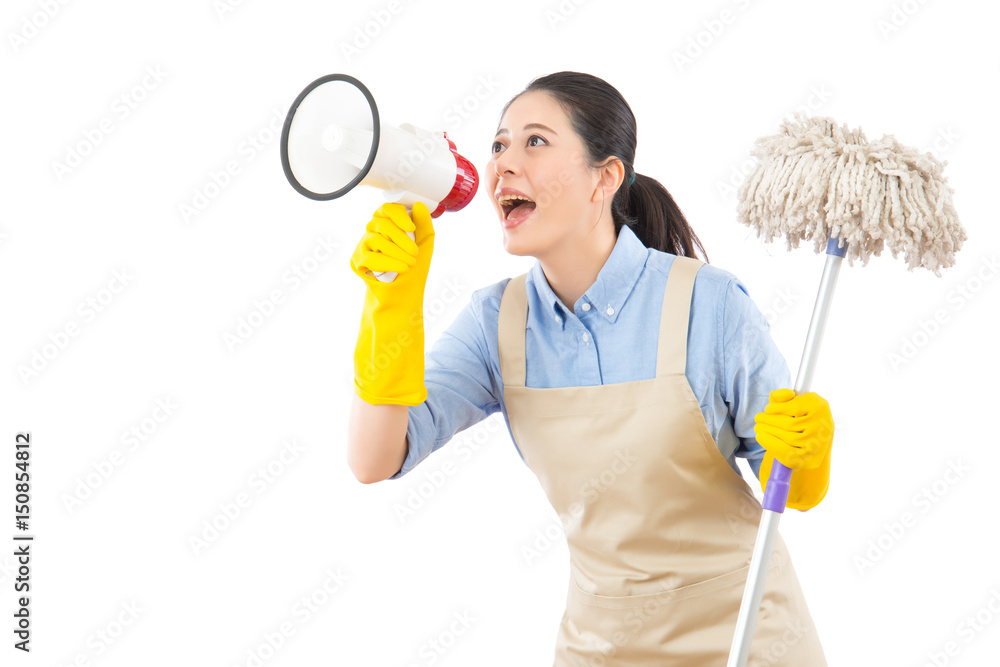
(605, 123)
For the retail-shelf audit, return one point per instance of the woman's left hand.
(796, 430)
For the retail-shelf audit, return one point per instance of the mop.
(817, 181)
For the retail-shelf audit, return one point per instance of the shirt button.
(586, 306)
(557, 319)
(611, 311)
(585, 338)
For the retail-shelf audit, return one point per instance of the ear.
(609, 179)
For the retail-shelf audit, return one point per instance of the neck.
(572, 267)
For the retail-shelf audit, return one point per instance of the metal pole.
(778, 483)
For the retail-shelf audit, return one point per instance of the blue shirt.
(608, 336)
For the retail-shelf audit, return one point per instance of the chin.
(521, 245)
(516, 252)
(512, 246)
(515, 246)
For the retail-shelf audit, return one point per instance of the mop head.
(816, 181)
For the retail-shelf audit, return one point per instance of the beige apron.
(660, 528)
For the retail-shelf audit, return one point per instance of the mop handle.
(776, 495)
(778, 484)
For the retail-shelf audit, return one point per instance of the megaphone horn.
(332, 141)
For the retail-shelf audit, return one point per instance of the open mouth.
(516, 207)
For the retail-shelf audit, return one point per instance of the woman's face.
(547, 165)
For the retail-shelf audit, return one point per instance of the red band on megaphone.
(465, 187)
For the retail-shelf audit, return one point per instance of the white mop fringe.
(816, 180)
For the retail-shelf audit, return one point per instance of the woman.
(628, 372)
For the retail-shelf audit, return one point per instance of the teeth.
(506, 199)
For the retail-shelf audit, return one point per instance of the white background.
(925, 72)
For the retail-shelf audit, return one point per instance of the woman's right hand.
(389, 355)
(386, 246)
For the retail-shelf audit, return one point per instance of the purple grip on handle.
(778, 484)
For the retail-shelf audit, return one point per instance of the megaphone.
(333, 141)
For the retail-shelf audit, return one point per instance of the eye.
(497, 143)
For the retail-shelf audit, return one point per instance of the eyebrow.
(529, 126)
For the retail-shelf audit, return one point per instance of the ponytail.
(647, 208)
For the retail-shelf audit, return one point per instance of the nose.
(505, 163)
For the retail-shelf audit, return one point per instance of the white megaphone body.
(333, 141)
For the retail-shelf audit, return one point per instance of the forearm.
(376, 440)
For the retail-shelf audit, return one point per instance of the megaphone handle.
(389, 276)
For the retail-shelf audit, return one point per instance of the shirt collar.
(614, 281)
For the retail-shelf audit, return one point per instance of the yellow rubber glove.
(389, 355)
(798, 431)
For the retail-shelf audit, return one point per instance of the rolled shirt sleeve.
(461, 391)
(753, 366)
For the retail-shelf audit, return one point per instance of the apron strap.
(512, 330)
(671, 351)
